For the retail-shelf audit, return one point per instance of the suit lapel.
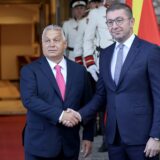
(130, 58)
(70, 71)
(108, 60)
(49, 74)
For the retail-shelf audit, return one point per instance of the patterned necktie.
(119, 63)
(60, 80)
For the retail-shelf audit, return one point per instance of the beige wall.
(17, 32)
(15, 40)
(17, 36)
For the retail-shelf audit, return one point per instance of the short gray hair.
(55, 28)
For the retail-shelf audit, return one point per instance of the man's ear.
(65, 44)
(132, 21)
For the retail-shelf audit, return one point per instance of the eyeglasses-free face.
(53, 44)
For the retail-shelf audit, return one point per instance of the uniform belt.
(98, 48)
(70, 48)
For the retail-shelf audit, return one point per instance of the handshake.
(70, 118)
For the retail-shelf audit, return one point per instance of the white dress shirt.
(126, 48)
(63, 66)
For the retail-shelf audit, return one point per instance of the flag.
(146, 25)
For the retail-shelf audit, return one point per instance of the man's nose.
(52, 43)
(114, 24)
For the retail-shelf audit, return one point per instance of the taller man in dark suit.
(129, 85)
(48, 87)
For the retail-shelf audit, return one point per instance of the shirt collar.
(62, 63)
(128, 42)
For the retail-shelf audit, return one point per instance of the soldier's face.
(53, 44)
(78, 12)
(92, 5)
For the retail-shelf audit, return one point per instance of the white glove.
(93, 70)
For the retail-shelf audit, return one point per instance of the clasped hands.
(70, 118)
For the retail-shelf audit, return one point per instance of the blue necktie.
(119, 63)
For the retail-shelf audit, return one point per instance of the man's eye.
(110, 22)
(47, 41)
(119, 20)
(56, 40)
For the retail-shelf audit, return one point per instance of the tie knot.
(120, 46)
(57, 67)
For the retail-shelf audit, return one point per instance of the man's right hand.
(93, 70)
(70, 118)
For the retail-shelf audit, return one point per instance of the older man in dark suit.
(48, 87)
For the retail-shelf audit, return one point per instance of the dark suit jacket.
(134, 104)
(44, 135)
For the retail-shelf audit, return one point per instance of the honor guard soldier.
(96, 27)
(70, 27)
(78, 49)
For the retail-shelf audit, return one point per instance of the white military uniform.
(78, 49)
(70, 29)
(96, 26)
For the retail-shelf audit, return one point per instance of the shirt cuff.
(60, 118)
(156, 139)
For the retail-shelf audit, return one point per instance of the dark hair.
(117, 6)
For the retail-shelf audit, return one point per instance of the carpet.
(10, 137)
(8, 107)
(10, 102)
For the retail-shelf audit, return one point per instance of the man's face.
(93, 5)
(120, 25)
(53, 44)
(78, 12)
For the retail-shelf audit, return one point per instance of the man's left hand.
(152, 147)
(86, 147)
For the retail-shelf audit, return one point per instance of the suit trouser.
(126, 152)
(120, 151)
(61, 156)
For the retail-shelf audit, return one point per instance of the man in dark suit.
(47, 99)
(129, 85)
